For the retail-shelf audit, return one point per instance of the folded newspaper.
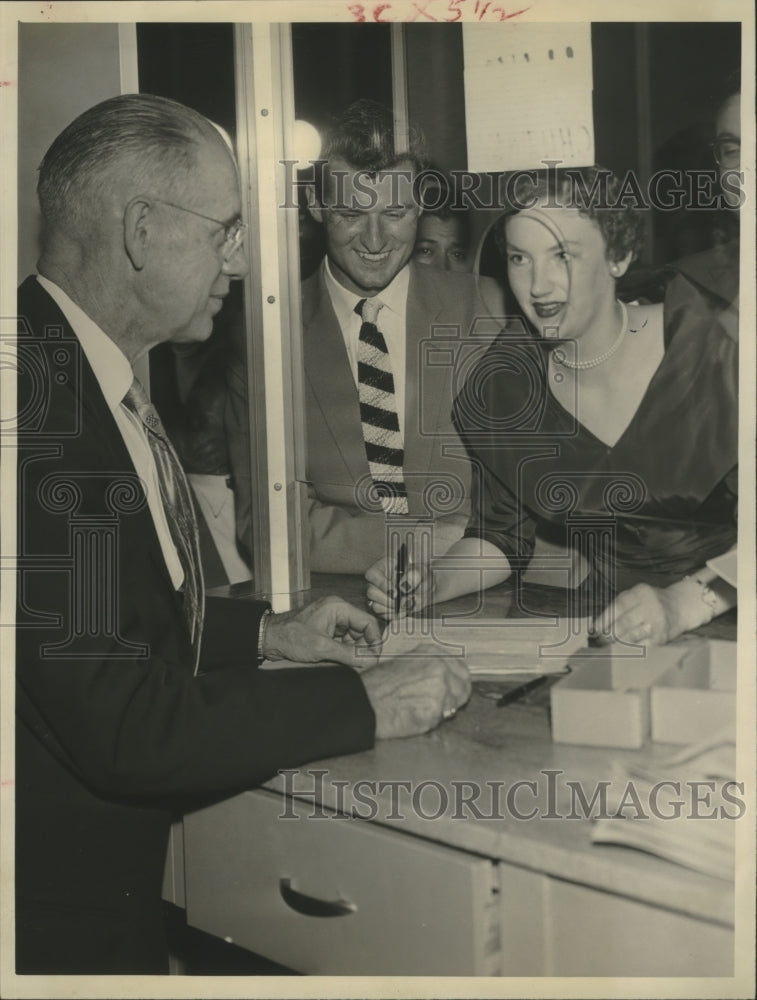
(491, 646)
(661, 806)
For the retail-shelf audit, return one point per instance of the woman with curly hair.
(607, 427)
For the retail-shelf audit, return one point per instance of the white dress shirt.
(114, 376)
(391, 321)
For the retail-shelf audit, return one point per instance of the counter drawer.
(399, 905)
(551, 927)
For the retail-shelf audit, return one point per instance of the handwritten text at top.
(440, 11)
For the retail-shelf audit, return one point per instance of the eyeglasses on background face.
(727, 152)
(233, 232)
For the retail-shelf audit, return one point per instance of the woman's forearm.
(470, 565)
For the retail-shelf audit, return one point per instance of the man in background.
(443, 238)
(137, 698)
(726, 145)
(714, 273)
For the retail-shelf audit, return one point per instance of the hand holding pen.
(397, 586)
(399, 577)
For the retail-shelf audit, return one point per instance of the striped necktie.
(378, 411)
(177, 503)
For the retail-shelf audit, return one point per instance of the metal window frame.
(265, 120)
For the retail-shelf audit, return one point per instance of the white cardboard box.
(604, 701)
(633, 666)
(697, 696)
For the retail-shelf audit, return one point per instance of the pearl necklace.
(561, 359)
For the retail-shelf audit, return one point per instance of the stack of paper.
(491, 646)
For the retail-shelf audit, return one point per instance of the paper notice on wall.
(528, 96)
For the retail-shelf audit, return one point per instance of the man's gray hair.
(157, 139)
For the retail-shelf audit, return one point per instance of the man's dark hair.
(368, 137)
(438, 201)
(157, 137)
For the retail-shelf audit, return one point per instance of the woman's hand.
(416, 588)
(469, 566)
(652, 616)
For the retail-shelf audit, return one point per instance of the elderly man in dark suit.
(135, 696)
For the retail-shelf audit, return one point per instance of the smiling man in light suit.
(380, 438)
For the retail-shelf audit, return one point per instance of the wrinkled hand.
(413, 693)
(328, 629)
(417, 586)
(647, 616)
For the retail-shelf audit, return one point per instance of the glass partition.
(256, 81)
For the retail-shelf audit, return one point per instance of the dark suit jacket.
(448, 327)
(714, 276)
(114, 733)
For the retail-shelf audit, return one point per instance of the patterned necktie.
(177, 503)
(378, 411)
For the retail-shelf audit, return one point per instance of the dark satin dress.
(653, 507)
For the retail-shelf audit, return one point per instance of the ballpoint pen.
(398, 574)
(520, 689)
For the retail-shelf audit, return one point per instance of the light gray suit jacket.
(451, 319)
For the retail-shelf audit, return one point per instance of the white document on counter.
(726, 566)
(491, 646)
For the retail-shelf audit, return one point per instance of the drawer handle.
(310, 906)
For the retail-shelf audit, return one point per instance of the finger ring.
(370, 605)
(449, 713)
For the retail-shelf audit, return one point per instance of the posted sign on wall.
(528, 95)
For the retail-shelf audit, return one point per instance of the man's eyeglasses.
(233, 235)
(727, 152)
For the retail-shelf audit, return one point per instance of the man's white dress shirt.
(391, 321)
(114, 376)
